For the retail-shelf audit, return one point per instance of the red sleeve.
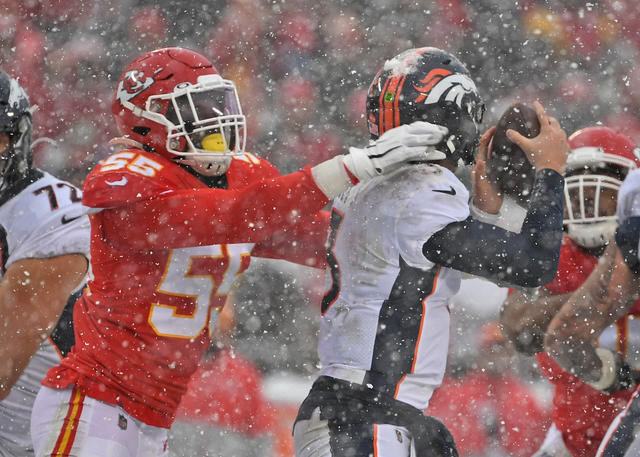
(303, 243)
(193, 217)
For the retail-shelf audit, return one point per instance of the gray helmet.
(16, 121)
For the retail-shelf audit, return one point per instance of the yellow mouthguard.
(214, 142)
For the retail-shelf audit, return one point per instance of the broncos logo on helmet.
(431, 85)
(434, 77)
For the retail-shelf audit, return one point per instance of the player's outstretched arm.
(608, 294)
(406, 143)
(527, 259)
(183, 218)
(524, 319)
(33, 293)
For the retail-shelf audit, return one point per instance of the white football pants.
(68, 423)
(315, 438)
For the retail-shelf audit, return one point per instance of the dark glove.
(616, 373)
(626, 378)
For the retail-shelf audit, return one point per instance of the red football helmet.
(599, 160)
(175, 102)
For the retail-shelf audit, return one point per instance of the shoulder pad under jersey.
(128, 176)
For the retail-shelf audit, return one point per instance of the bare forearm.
(578, 358)
(524, 320)
(15, 357)
(33, 293)
(606, 295)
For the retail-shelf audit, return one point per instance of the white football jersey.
(629, 197)
(40, 216)
(624, 336)
(385, 312)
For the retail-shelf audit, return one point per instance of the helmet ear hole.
(141, 130)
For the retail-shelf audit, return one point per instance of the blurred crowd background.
(302, 68)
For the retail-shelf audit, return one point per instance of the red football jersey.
(165, 251)
(580, 412)
(483, 411)
(226, 391)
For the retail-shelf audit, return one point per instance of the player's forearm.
(303, 243)
(16, 354)
(579, 359)
(608, 293)
(525, 321)
(215, 216)
(33, 293)
(527, 259)
(571, 336)
(545, 215)
(571, 339)
(22, 331)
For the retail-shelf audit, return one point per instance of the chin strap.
(208, 168)
(125, 142)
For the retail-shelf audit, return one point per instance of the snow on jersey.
(385, 312)
(40, 216)
(629, 198)
(158, 281)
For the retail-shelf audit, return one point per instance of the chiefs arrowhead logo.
(133, 83)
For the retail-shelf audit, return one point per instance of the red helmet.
(175, 102)
(600, 159)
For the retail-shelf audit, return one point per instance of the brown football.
(508, 166)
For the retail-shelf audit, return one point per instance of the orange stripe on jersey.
(375, 440)
(70, 426)
(424, 314)
(55, 346)
(622, 327)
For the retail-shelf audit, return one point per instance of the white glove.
(394, 148)
(406, 143)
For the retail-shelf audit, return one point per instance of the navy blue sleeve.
(627, 239)
(528, 259)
